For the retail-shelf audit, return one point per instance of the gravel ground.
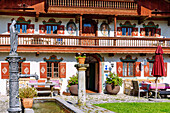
(90, 100)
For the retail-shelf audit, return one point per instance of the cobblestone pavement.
(3, 103)
(90, 100)
(105, 98)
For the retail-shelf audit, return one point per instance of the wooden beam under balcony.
(85, 49)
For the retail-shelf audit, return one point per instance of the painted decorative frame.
(104, 27)
(71, 27)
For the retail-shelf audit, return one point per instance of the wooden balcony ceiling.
(85, 49)
(99, 11)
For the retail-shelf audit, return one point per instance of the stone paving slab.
(4, 100)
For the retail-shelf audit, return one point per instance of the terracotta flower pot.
(112, 90)
(74, 89)
(27, 102)
(81, 60)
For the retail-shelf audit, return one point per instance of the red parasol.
(158, 66)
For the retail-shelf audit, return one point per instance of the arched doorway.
(92, 73)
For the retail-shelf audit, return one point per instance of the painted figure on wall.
(104, 29)
(13, 38)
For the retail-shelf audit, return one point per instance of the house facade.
(120, 36)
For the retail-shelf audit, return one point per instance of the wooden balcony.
(94, 4)
(92, 7)
(75, 44)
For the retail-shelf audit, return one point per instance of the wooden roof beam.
(142, 19)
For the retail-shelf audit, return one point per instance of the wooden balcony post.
(115, 29)
(115, 26)
(80, 26)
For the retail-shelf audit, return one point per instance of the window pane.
(124, 69)
(54, 29)
(18, 28)
(123, 31)
(129, 31)
(146, 32)
(150, 68)
(48, 28)
(24, 28)
(55, 69)
(130, 69)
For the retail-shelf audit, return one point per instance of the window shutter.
(142, 31)
(119, 31)
(137, 69)
(165, 66)
(135, 32)
(62, 70)
(120, 69)
(43, 70)
(25, 68)
(146, 70)
(8, 27)
(60, 29)
(30, 28)
(4, 70)
(158, 32)
(42, 29)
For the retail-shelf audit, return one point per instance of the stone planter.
(112, 90)
(27, 102)
(74, 90)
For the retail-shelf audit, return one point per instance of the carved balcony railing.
(53, 40)
(94, 4)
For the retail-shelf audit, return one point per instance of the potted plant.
(81, 58)
(73, 85)
(113, 83)
(26, 94)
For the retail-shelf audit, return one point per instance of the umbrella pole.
(156, 90)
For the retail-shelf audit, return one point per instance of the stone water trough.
(64, 106)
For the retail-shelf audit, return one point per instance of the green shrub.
(114, 79)
(73, 81)
(27, 92)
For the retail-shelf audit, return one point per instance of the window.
(128, 68)
(150, 31)
(51, 29)
(52, 69)
(126, 31)
(89, 27)
(150, 68)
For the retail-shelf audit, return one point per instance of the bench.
(128, 86)
(46, 88)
